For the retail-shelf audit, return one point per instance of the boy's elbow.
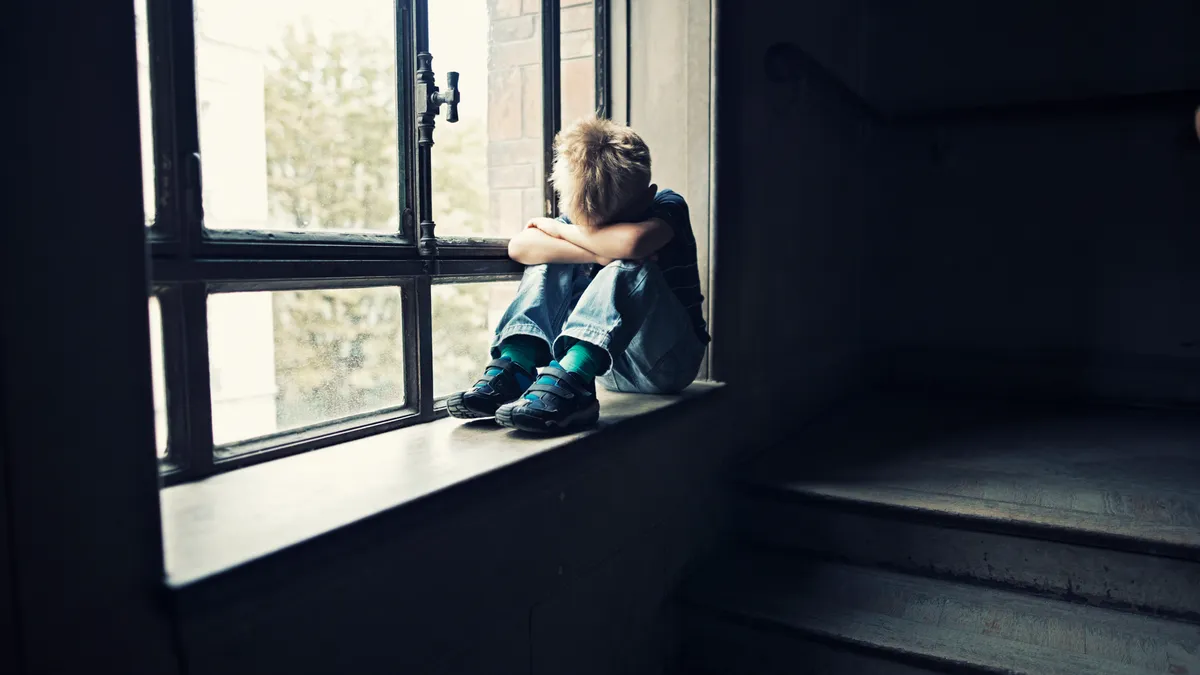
(644, 245)
(518, 250)
(639, 250)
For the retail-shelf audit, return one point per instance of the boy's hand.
(548, 225)
(619, 241)
(610, 248)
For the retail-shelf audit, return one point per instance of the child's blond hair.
(600, 167)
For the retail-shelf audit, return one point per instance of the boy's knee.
(631, 275)
(549, 270)
(635, 266)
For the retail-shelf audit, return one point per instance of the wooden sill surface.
(219, 523)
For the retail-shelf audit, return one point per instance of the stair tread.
(1114, 477)
(933, 620)
(892, 538)
(1102, 529)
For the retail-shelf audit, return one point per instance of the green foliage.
(331, 132)
(337, 353)
(332, 163)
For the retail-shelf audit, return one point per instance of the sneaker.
(503, 381)
(558, 401)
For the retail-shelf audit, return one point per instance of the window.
(329, 250)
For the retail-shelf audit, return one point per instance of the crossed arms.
(545, 240)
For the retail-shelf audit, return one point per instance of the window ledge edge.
(222, 523)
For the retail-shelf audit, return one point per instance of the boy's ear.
(648, 198)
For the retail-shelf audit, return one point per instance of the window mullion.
(197, 450)
(421, 335)
(551, 101)
(601, 59)
(175, 124)
(170, 301)
(425, 112)
(405, 111)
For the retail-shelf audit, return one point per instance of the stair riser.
(1104, 577)
(713, 645)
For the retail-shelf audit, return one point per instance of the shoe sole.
(457, 406)
(510, 417)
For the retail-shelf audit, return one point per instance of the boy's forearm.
(619, 241)
(534, 247)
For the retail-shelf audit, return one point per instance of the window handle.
(449, 97)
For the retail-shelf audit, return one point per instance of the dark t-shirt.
(677, 259)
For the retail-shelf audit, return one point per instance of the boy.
(611, 291)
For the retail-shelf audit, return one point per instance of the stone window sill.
(220, 523)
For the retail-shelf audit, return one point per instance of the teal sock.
(521, 350)
(585, 360)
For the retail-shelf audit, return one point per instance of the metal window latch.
(448, 97)
(430, 98)
(429, 101)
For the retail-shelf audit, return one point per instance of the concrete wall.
(1051, 250)
(1032, 247)
(668, 101)
(790, 221)
(1000, 197)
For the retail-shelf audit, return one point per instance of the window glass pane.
(464, 320)
(487, 168)
(577, 46)
(286, 359)
(158, 376)
(297, 105)
(143, 63)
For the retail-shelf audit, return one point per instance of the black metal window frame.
(190, 262)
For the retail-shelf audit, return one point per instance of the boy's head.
(601, 173)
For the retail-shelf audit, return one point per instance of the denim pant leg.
(629, 311)
(546, 295)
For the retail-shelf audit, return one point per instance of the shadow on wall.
(1046, 244)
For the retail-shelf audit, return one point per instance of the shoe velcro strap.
(503, 364)
(550, 389)
(557, 373)
(565, 387)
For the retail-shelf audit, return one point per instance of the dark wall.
(78, 425)
(1037, 217)
(791, 248)
(997, 196)
(1062, 244)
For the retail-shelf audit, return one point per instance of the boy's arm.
(534, 247)
(619, 241)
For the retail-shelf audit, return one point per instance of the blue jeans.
(627, 309)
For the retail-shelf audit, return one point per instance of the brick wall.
(515, 175)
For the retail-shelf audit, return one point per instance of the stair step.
(959, 548)
(1099, 506)
(788, 604)
(716, 646)
(919, 500)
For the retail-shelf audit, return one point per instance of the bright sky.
(458, 30)
(458, 40)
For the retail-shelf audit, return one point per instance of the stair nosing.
(1021, 526)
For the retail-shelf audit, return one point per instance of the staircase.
(910, 536)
